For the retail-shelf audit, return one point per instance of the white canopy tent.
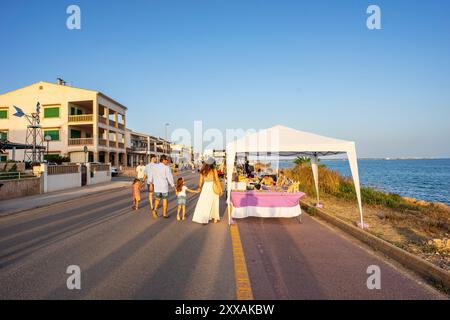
(283, 143)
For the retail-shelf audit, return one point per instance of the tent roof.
(286, 141)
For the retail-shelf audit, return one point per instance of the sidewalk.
(8, 207)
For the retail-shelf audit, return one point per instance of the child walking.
(136, 193)
(181, 197)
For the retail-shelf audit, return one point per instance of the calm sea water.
(421, 179)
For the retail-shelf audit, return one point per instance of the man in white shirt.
(147, 178)
(140, 171)
(161, 177)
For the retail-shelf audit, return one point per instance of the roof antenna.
(61, 81)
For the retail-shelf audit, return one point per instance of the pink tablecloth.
(265, 199)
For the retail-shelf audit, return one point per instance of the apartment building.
(182, 155)
(140, 146)
(74, 118)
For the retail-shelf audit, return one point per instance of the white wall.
(63, 181)
(99, 176)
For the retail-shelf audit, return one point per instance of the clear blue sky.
(311, 65)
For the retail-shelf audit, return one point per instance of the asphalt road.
(125, 254)
(122, 254)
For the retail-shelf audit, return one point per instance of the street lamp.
(165, 143)
(165, 128)
(48, 138)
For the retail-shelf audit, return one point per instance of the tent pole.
(315, 170)
(351, 155)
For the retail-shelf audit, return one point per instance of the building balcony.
(121, 126)
(102, 120)
(102, 142)
(112, 123)
(81, 118)
(141, 150)
(80, 141)
(112, 144)
(121, 145)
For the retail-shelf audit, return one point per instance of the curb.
(96, 193)
(427, 270)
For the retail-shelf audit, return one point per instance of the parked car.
(114, 172)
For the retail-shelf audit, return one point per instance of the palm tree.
(301, 161)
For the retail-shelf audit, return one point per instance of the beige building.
(140, 146)
(72, 117)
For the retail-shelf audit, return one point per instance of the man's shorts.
(161, 195)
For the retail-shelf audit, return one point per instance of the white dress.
(207, 207)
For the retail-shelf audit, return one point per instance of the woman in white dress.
(208, 203)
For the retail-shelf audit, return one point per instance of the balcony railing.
(112, 144)
(80, 141)
(81, 118)
(102, 142)
(121, 145)
(102, 120)
(121, 126)
(112, 123)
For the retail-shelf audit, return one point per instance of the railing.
(112, 144)
(100, 167)
(112, 123)
(10, 175)
(140, 149)
(63, 169)
(102, 119)
(80, 141)
(102, 142)
(81, 118)
(121, 126)
(121, 145)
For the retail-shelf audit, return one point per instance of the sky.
(310, 65)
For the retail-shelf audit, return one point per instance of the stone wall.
(20, 188)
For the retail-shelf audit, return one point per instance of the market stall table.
(266, 204)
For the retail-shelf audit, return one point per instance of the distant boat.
(387, 158)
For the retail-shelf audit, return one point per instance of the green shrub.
(328, 179)
(330, 182)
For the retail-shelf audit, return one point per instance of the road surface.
(125, 254)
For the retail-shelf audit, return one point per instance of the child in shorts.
(181, 190)
(136, 193)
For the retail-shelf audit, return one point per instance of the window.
(3, 158)
(54, 133)
(52, 112)
(3, 135)
(75, 134)
(75, 111)
(3, 113)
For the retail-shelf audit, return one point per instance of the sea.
(423, 179)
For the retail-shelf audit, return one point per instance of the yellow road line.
(243, 286)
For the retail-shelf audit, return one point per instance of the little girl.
(136, 193)
(181, 197)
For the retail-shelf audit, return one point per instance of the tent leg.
(355, 174)
(315, 170)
